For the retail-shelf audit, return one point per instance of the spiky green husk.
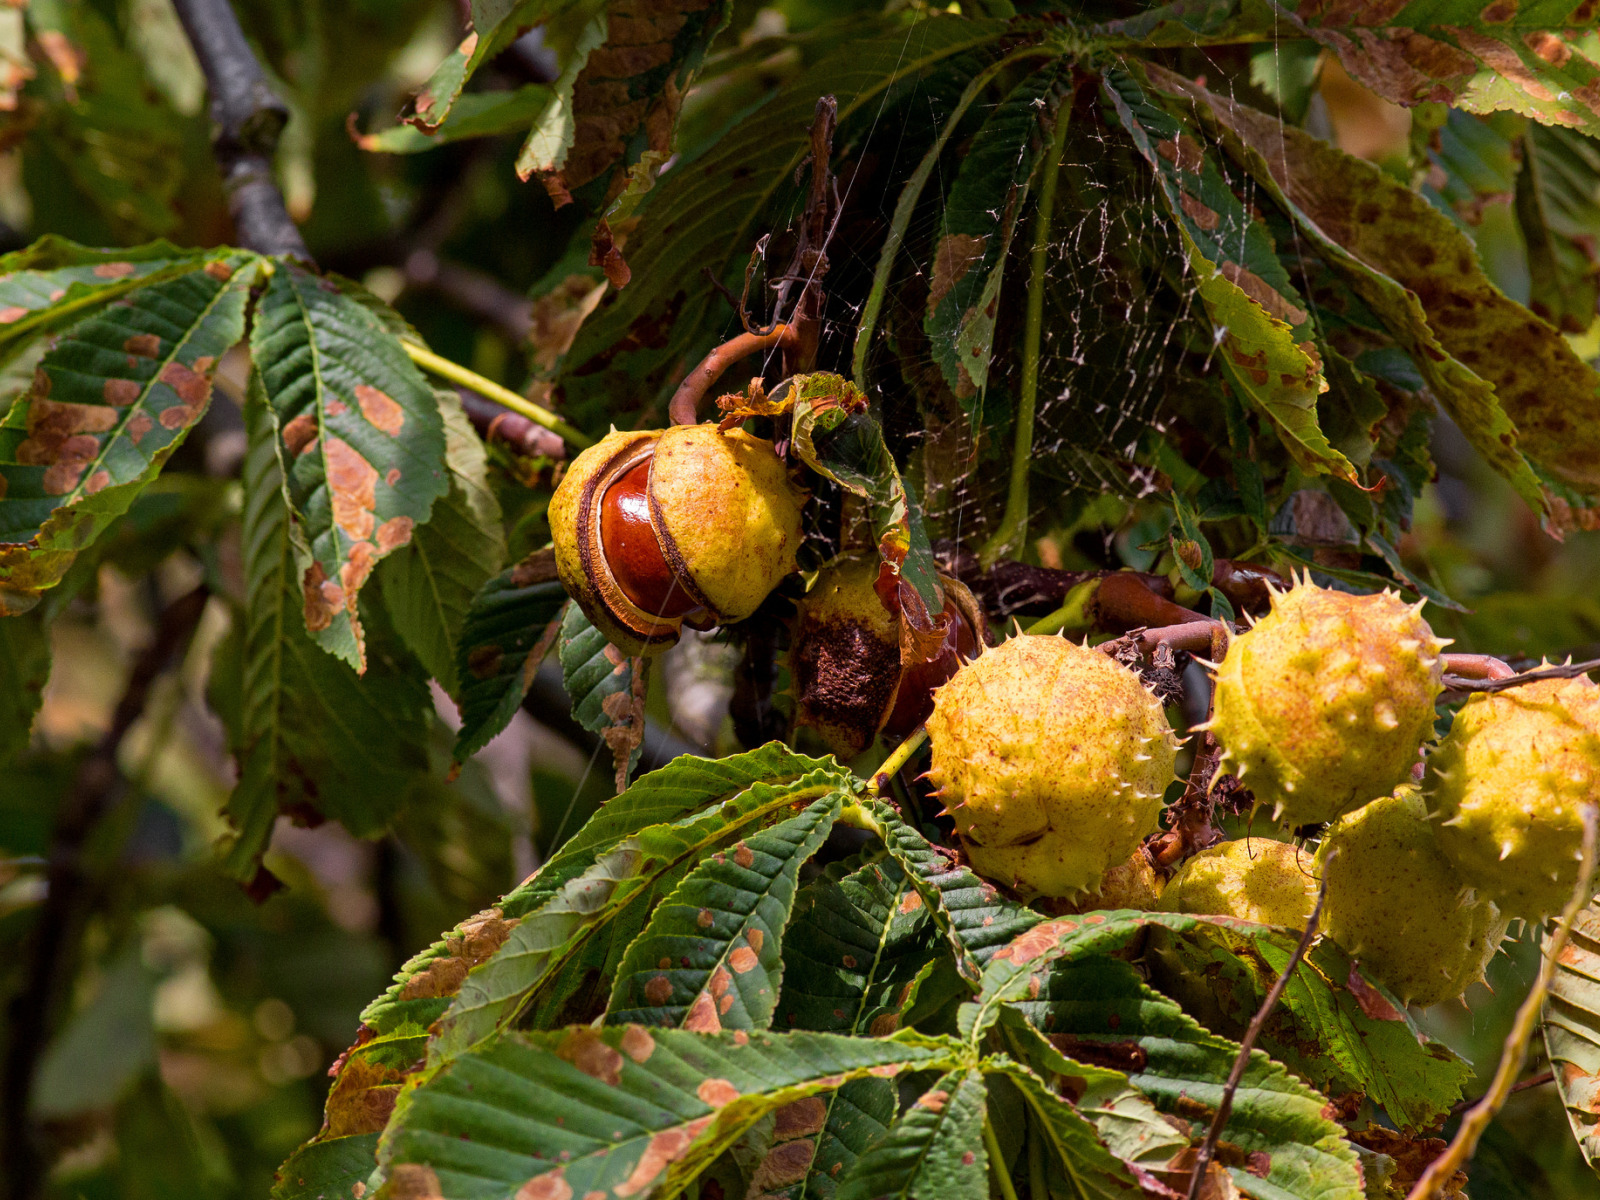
(1254, 879)
(1508, 785)
(1323, 705)
(1396, 903)
(1052, 760)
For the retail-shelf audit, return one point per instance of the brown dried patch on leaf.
(933, 1101)
(1183, 152)
(910, 902)
(1197, 212)
(666, 1148)
(11, 314)
(702, 1015)
(784, 1166)
(138, 425)
(704, 919)
(884, 1024)
(352, 487)
(744, 856)
(193, 386)
(474, 942)
(626, 709)
(717, 1092)
(637, 1043)
(120, 393)
(413, 1181)
(1412, 1157)
(1034, 942)
(1263, 293)
(62, 438)
(362, 1097)
(743, 960)
(658, 990)
(394, 533)
(1126, 1056)
(143, 345)
(1370, 998)
(956, 255)
(114, 270)
(552, 1185)
(800, 1119)
(1548, 46)
(1504, 60)
(299, 433)
(585, 1049)
(323, 598)
(380, 410)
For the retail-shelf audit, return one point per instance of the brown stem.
(1208, 1148)
(1533, 1081)
(685, 404)
(495, 423)
(1465, 681)
(69, 897)
(1475, 666)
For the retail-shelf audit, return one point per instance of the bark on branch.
(247, 116)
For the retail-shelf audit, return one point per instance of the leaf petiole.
(456, 373)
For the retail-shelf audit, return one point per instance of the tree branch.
(247, 116)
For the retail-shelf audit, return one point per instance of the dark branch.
(69, 897)
(247, 116)
(1457, 682)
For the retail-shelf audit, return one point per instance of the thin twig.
(1208, 1148)
(1533, 1081)
(69, 897)
(247, 116)
(1463, 683)
(1478, 1117)
(456, 373)
(991, 1143)
(496, 423)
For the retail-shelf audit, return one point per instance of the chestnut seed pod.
(688, 525)
(846, 660)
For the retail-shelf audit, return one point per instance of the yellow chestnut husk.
(1052, 759)
(657, 529)
(1508, 785)
(1398, 905)
(1325, 703)
(1253, 879)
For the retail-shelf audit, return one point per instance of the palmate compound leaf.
(934, 1150)
(622, 1110)
(1097, 1009)
(110, 402)
(1572, 1031)
(860, 944)
(1262, 325)
(711, 213)
(574, 942)
(971, 913)
(1509, 380)
(312, 733)
(429, 583)
(538, 919)
(362, 442)
(711, 957)
(981, 213)
(509, 627)
(1338, 1031)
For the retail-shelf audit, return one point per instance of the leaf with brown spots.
(519, 1108)
(325, 1169)
(366, 462)
(311, 733)
(98, 423)
(607, 690)
(1572, 1031)
(935, 1149)
(435, 570)
(725, 975)
(1263, 341)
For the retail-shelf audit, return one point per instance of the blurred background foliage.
(190, 1056)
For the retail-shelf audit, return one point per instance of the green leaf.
(855, 951)
(362, 443)
(852, 1120)
(1261, 323)
(1089, 1168)
(324, 1170)
(935, 1149)
(105, 1046)
(24, 670)
(1572, 1031)
(709, 214)
(971, 913)
(509, 627)
(429, 583)
(621, 1107)
(55, 280)
(109, 404)
(613, 887)
(720, 934)
(607, 688)
(312, 732)
(1558, 208)
(495, 25)
(478, 114)
(1510, 381)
